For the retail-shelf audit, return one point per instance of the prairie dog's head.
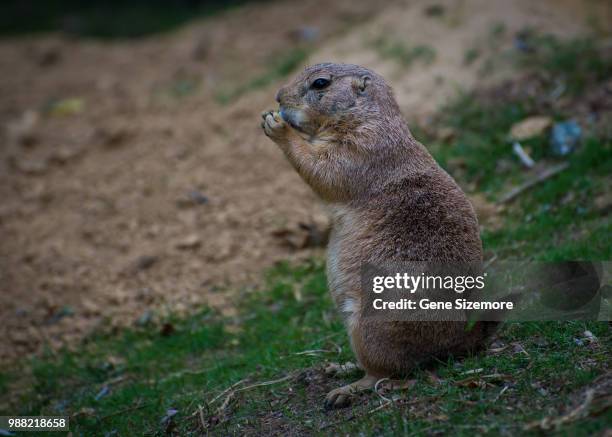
(335, 98)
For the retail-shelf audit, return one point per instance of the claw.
(341, 396)
(273, 126)
(337, 399)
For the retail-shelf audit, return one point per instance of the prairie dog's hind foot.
(341, 396)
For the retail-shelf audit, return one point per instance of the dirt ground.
(130, 191)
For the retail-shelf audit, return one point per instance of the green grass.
(187, 367)
(564, 204)
(104, 19)
(147, 372)
(574, 62)
(559, 218)
(471, 55)
(126, 384)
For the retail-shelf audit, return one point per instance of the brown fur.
(389, 201)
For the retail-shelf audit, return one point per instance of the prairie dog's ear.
(362, 82)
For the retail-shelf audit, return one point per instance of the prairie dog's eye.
(320, 83)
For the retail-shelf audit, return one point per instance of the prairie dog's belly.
(338, 278)
(344, 263)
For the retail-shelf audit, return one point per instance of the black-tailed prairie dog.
(341, 129)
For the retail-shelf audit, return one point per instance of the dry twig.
(549, 422)
(544, 175)
(232, 390)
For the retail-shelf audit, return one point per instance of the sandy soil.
(129, 191)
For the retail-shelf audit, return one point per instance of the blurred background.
(135, 181)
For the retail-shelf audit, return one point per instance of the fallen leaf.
(530, 127)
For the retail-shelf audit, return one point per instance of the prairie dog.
(341, 129)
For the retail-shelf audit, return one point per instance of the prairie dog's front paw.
(273, 125)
